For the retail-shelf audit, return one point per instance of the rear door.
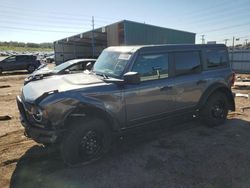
(153, 97)
(22, 62)
(189, 81)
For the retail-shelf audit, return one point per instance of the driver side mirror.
(66, 71)
(89, 66)
(132, 78)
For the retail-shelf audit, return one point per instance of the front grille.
(26, 114)
(22, 111)
(20, 107)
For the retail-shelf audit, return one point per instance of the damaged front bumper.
(41, 135)
(38, 134)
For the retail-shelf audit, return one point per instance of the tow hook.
(26, 134)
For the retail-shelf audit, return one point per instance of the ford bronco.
(129, 86)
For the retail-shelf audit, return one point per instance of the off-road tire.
(71, 146)
(214, 112)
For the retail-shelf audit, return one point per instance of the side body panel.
(101, 100)
(148, 100)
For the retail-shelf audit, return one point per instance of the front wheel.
(86, 142)
(215, 111)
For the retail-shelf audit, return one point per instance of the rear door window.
(77, 67)
(31, 58)
(22, 58)
(216, 58)
(187, 62)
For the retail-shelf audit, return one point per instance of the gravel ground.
(169, 154)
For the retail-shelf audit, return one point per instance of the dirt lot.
(170, 155)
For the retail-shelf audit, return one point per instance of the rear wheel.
(215, 111)
(86, 142)
(31, 68)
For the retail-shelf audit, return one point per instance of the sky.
(50, 20)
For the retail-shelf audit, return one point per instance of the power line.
(73, 20)
(222, 5)
(57, 13)
(37, 30)
(222, 28)
(53, 13)
(12, 6)
(50, 19)
(220, 19)
(218, 14)
(36, 14)
(46, 25)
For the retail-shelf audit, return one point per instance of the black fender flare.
(84, 110)
(218, 87)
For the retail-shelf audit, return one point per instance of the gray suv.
(19, 62)
(129, 87)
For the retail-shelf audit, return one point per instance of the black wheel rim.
(90, 144)
(218, 109)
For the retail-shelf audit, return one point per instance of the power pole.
(93, 40)
(232, 58)
(236, 39)
(246, 42)
(233, 44)
(203, 39)
(226, 41)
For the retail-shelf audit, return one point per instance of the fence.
(240, 61)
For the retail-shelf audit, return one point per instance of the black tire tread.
(205, 112)
(71, 140)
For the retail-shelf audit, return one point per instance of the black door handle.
(201, 82)
(165, 88)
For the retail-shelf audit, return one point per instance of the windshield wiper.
(105, 76)
(102, 74)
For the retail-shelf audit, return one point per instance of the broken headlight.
(37, 114)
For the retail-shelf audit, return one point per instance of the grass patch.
(24, 49)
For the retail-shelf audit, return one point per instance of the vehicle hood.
(3, 59)
(44, 70)
(61, 83)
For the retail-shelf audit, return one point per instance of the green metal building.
(91, 43)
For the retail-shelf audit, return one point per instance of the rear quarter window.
(216, 58)
(21, 58)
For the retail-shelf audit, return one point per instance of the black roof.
(163, 47)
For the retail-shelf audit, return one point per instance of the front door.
(153, 97)
(22, 62)
(9, 63)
